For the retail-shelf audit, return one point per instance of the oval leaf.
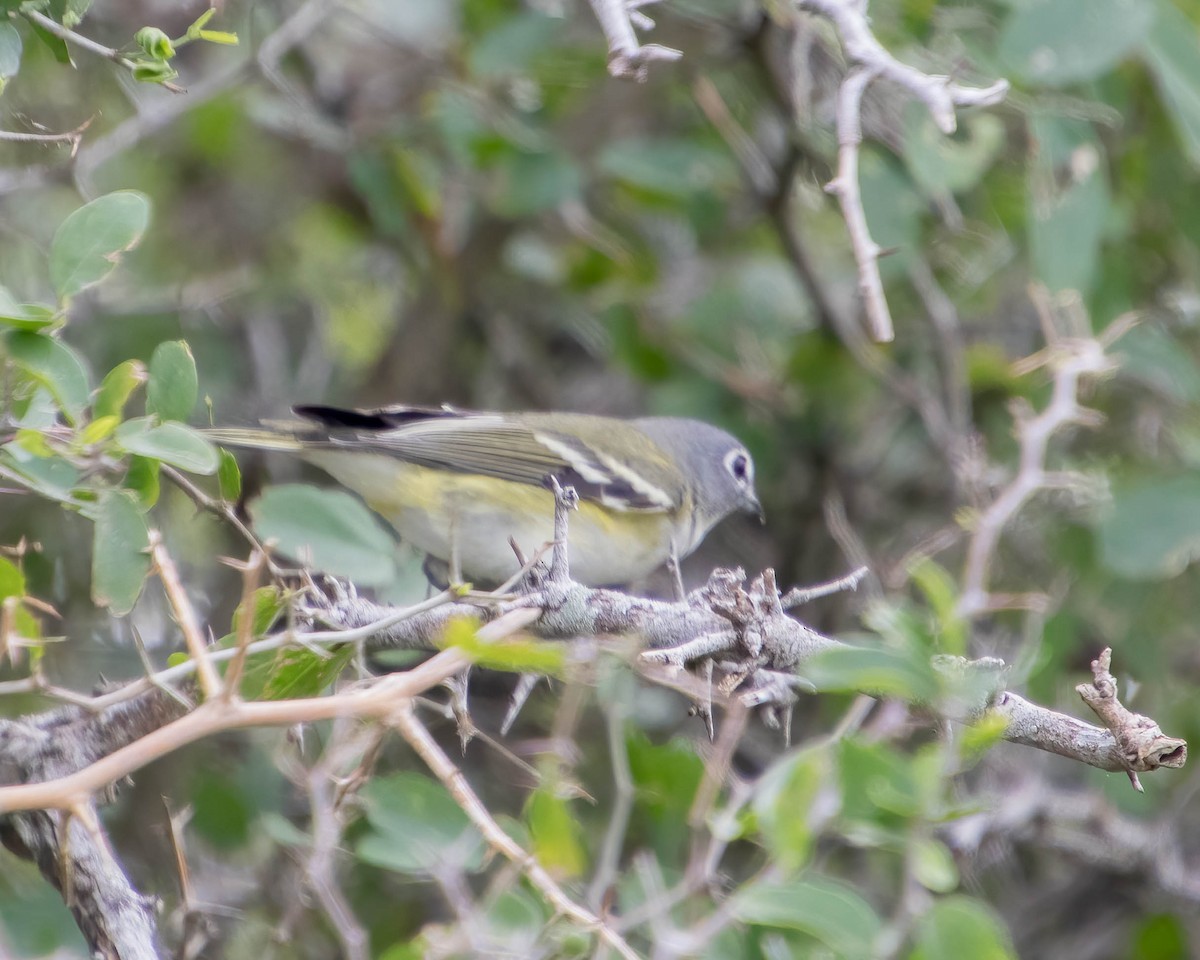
(1057, 42)
(10, 51)
(24, 316)
(171, 443)
(55, 366)
(1152, 530)
(961, 927)
(415, 827)
(89, 244)
(328, 529)
(1172, 55)
(830, 912)
(116, 389)
(229, 477)
(120, 552)
(172, 389)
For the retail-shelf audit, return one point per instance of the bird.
(459, 484)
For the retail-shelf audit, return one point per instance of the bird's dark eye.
(737, 466)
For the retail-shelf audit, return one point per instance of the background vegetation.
(437, 201)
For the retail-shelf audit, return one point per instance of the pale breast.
(440, 512)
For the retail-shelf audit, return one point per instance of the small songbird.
(458, 484)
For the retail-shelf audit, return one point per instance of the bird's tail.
(273, 437)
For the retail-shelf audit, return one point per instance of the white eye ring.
(740, 466)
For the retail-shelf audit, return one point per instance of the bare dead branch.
(870, 60)
(626, 57)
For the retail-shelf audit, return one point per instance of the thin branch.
(845, 187)
(68, 35)
(405, 720)
(217, 507)
(251, 573)
(374, 700)
(1072, 361)
(870, 60)
(185, 615)
(73, 137)
(626, 57)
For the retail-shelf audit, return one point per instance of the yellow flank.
(440, 512)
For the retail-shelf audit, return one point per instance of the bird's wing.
(490, 445)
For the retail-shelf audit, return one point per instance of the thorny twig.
(1071, 361)
(405, 720)
(869, 61)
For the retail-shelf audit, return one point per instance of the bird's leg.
(437, 573)
(676, 573)
(565, 498)
(456, 577)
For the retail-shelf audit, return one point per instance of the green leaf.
(878, 783)
(510, 48)
(782, 802)
(287, 674)
(1057, 42)
(830, 912)
(1152, 529)
(142, 480)
(58, 46)
(50, 476)
(10, 50)
(153, 71)
(933, 866)
(556, 833)
(672, 167)
(513, 654)
(120, 557)
(1066, 225)
(156, 43)
(25, 316)
(173, 387)
(894, 209)
(267, 604)
(531, 183)
(416, 827)
(89, 244)
(876, 670)
(328, 529)
(99, 429)
(69, 13)
(958, 927)
(117, 387)
(222, 37)
(939, 164)
(1151, 356)
(1173, 56)
(12, 589)
(12, 580)
(172, 443)
(941, 592)
(229, 476)
(55, 366)
(1160, 936)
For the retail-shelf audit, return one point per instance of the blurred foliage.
(450, 201)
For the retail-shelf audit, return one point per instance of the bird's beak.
(754, 507)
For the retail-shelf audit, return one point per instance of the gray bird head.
(719, 469)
